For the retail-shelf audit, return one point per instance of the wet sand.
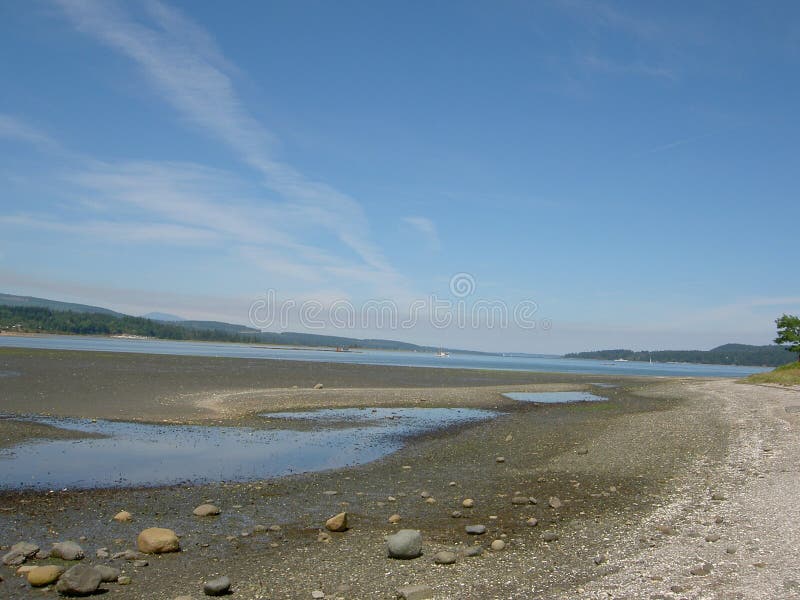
(652, 456)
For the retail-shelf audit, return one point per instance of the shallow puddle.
(554, 397)
(604, 385)
(137, 454)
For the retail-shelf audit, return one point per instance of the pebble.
(520, 500)
(473, 551)
(337, 522)
(317, 594)
(468, 503)
(582, 451)
(102, 553)
(140, 563)
(318, 386)
(475, 529)
(430, 500)
(550, 536)
(718, 496)
(445, 557)
(532, 522)
(395, 519)
(712, 537)
(107, 573)
(415, 592)
(500, 459)
(67, 551)
(554, 502)
(405, 544)
(600, 559)
(731, 549)
(206, 510)
(124, 580)
(701, 570)
(123, 516)
(425, 494)
(456, 514)
(217, 587)
(498, 545)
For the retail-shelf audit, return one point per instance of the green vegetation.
(784, 375)
(789, 333)
(727, 354)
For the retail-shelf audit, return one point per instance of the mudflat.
(670, 489)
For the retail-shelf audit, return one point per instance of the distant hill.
(159, 316)
(727, 354)
(12, 300)
(28, 314)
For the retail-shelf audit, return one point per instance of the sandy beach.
(670, 489)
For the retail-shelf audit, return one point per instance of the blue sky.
(630, 167)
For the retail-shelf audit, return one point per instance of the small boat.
(442, 354)
(620, 360)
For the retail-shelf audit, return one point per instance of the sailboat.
(442, 354)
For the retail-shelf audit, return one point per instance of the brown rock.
(157, 540)
(44, 575)
(206, 510)
(123, 516)
(337, 522)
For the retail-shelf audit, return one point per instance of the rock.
(318, 594)
(318, 386)
(550, 536)
(42, 555)
(473, 551)
(102, 553)
(206, 510)
(430, 500)
(330, 493)
(532, 522)
(80, 580)
(415, 592)
(140, 563)
(19, 553)
(718, 496)
(123, 516)
(600, 559)
(475, 529)
(500, 459)
(467, 503)
(498, 545)
(520, 500)
(719, 520)
(712, 537)
(701, 570)
(509, 437)
(665, 529)
(128, 555)
(425, 494)
(124, 580)
(183, 598)
(157, 540)
(405, 544)
(456, 514)
(395, 519)
(217, 587)
(44, 575)
(67, 551)
(107, 574)
(445, 557)
(337, 522)
(731, 549)
(554, 502)
(23, 570)
(582, 451)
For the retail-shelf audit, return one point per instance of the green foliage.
(727, 354)
(789, 333)
(783, 375)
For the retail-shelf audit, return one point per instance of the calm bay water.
(377, 357)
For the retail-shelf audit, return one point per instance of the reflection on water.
(554, 397)
(137, 454)
(604, 385)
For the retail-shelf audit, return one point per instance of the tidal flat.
(625, 493)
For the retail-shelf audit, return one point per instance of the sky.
(545, 177)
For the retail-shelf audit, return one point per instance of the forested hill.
(727, 354)
(38, 319)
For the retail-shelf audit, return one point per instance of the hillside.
(13, 300)
(727, 354)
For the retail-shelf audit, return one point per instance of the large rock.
(475, 529)
(67, 551)
(80, 580)
(19, 553)
(217, 587)
(107, 573)
(157, 540)
(445, 557)
(337, 522)
(405, 544)
(44, 575)
(206, 510)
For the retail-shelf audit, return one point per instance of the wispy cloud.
(188, 71)
(680, 142)
(612, 67)
(604, 15)
(18, 129)
(427, 228)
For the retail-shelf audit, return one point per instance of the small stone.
(318, 594)
(124, 580)
(19, 553)
(102, 553)
(405, 544)
(322, 536)
(473, 551)
(500, 459)
(452, 484)
(600, 559)
(665, 529)
(217, 587)
(123, 516)
(445, 557)
(712, 537)
(44, 575)
(520, 501)
(532, 522)
(718, 520)
(67, 551)
(395, 519)
(701, 570)
(554, 502)
(582, 451)
(330, 493)
(498, 545)
(475, 529)
(157, 540)
(80, 580)
(509, 437)
(415, 592)
(467, 503)
(140, 563)
(456, 514)
(425, 494)
(550, 536)
(206, 510)
(318, 386)
(430, 500)
(107, 573)
(275, 528)
(718, 496)
(731, 549)
(337, 522)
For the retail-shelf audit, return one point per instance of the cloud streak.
(426, 228)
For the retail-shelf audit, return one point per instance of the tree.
(789, 333)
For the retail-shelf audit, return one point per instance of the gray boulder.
(19, 553)
(405, 544)
(80, 580)
(67, 551)
(217, 587)
(107, 574)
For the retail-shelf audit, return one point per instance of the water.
(136, 454)
(378, 357)
(554, 397)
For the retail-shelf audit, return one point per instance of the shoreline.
(635, 478)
